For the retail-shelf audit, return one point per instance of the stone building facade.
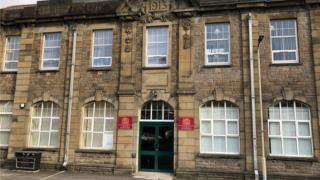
(164, 55)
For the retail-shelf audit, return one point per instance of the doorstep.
(153, 176)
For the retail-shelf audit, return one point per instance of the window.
(98, 125)
(284, 41)
(102, 49)
(290, 129)
(5, 122)
(217, 44)
(44, 125)
(12, 53)
(51, 51)
(157, 46)
(157, 110)
(219, 128)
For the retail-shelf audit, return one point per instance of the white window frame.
(39, 131)
(147, 44)
(226, 135)
(162, 110)
(43, 47)
(91, 131)
(5, 60)
(6, 130)
(296, 137)
(93, 45)
(207, 63)
(275, 51)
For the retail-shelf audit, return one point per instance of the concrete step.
(153, 176)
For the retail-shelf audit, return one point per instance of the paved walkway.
(56, 175)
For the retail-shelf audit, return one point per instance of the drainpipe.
(253, 100)
(67, 132)
(264, 163)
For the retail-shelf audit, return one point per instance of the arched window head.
(44, 129)
(157, 110)
(99, 122)
(290, 129)
(219, 128)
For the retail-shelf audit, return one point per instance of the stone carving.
(128, 39)
(158, 5)
(287, 94)
(46, 96)
(186, 24)
(218, 94)
(98, 96)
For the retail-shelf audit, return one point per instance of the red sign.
(186, 123)
(124, 122)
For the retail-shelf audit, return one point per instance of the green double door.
(156, 146)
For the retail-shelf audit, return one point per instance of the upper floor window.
(157, 46)
(5, 122)
(44, 130)
(218, 44)
(51, 51)
(290, 129)
(219, 128)
(99, 123)
(102, 49)
(12, 53)
(284, 41)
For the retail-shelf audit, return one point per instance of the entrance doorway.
(156, 137)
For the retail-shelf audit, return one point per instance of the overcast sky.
(6, 3)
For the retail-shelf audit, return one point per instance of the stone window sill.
(222, 156)
(8, 72)
(100, 68)
(155, 67)
(284, 158)
(3, 147)
(96, 151)
(285, 64)
(41, 149)
(217, 66)
(48, 70)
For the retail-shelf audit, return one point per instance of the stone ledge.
(95, 151)
(302, 159)
(222, 156)
(41, 149)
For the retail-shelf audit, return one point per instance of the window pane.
(87, 125)
(55, 124)
(232, 127)
(97, 140)
(290, 146)
(12, 52)
(54, 139)
(35, 124)
(275, 146)
(98, 125)
(287, 113)
(206, 144)
(305, 147)
(274, 112)
(304, 129)
(302, 113)
(44, 139)
(99, 110)
(206, 113)
(219, 144)
(274, 128)
(89, 110)
(51, 51)
(5, 122)
(4, 138)
(233, 145)
(219, 128)
(34, 137)
(206, 127)
(108, 140)
(232, 113)
(102, 62)
(47, 107)
(87, 139)
(45, 124)
(110, 125)
(288, 128)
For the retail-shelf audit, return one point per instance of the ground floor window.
(5, 122)
(44, 130)
(98, 125)
(219, 128)
(290, 129)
